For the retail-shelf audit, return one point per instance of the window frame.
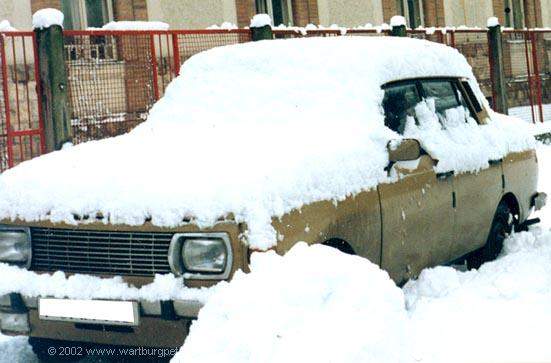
(81, 12)
(266, 6)
(457, 84)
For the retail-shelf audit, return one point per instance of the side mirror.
(403, 150)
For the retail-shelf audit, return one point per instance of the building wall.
(18, 12)
(350, 13)
(190, 14)
(546, 13)
(468, 12)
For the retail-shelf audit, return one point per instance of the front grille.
(100, 252)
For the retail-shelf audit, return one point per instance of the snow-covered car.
(378, 146)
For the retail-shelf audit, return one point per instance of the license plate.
(89, 311)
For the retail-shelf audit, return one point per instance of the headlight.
(204, 255)
(15, 245)
(201, 255)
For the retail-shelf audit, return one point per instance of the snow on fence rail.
(115, 76)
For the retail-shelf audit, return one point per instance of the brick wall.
(499, 10)
(41, 4)
(304, 12)
(245, 11)
(390, 8)
(532, 13)
(433, 11)
(130, 9)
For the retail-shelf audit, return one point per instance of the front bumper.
(162, 324)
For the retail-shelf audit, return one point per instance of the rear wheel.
(502, 225)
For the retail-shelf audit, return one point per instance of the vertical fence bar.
(9, 141)
(154, 65)
(529, 76)
(176, 50)
(537, 75)
(16, 81)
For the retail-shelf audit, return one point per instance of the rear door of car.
(417, 210)
(477, 193)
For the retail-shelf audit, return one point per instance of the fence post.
(53, 76)
(496, 66)
(261, 28)
(398, 26)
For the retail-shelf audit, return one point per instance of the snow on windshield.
(255, 130)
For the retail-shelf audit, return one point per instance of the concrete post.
(497, 69)
(53, 76)
(398, 26)
(262, 33)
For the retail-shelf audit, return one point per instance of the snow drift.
(256, 130)
(317, 304)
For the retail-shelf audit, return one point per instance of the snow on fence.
(115, 76)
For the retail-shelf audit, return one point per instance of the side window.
(444, 94)
(471, 96)
(398, 103)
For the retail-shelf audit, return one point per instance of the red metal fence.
(114, 77)
(21, 124)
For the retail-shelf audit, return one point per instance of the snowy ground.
(525, 113)
(502, 312)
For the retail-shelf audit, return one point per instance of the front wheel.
(502, 225)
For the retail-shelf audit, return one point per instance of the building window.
(412, 10)
(514, 14)
(279, 10)
(82, 14)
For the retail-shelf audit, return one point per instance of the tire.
(502, 225)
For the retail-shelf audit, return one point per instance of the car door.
(417, 210)
(477, 194)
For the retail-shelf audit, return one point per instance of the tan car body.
(422, 220)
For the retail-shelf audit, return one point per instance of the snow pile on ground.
(45, 18)
(314, 304)
(317, 304)
(308, 127)
(500, 313)
(5, 26)
(28, 283)
(135, 25)
(16, 350)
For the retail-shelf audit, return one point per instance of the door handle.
(446, 175)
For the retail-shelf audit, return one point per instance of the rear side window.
(399, 102)
(444, 94)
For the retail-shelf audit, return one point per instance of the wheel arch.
(341, 245)
(512, 202)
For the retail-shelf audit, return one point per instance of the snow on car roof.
(255, 130)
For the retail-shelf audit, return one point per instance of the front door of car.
(418, 218)
(418, 209)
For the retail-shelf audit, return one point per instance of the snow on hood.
(256, 130)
